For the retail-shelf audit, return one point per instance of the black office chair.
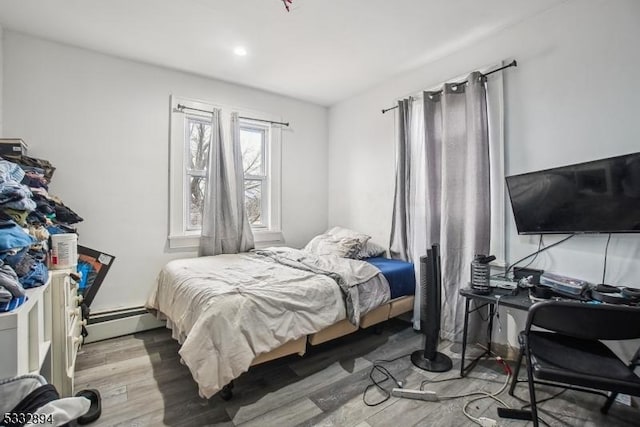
(569, 352)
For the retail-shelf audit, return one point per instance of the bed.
(230, 312)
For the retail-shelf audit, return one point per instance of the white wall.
(573, 98)
(104, 123)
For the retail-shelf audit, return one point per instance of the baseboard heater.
(115, 323)
(121, 313)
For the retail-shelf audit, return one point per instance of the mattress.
(226, 310)
(400, 275)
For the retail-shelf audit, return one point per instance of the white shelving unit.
(43, 335)
(67, 326)
(26, 336)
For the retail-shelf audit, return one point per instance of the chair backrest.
(585, 320)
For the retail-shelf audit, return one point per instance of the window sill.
(262, 238)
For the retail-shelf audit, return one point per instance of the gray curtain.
(399, 245)
(451, 204)
(464, 225)
(225, 227)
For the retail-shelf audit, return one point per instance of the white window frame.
(179, 236)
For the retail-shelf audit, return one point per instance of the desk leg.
(464, 334)
(492, 309)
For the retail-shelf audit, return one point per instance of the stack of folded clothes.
(28, 215)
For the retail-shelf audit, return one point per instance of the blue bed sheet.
(400, 275)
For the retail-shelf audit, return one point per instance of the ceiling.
(322, 51)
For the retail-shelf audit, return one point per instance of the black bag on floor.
(23, 412)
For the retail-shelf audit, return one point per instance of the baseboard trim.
(117, 323)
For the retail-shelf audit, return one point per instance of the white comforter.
(227, 309)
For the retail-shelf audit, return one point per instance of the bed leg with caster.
(227, 391)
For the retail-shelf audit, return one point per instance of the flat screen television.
(602, 196)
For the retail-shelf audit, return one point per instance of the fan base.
(441, 363)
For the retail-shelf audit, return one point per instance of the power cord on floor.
(443, 380)
(483, 421)
(376, 382)
(481, 394)
(386, 375)
(538, 402)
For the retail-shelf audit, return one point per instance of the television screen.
(602, 196)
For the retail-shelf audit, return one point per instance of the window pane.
(199, 139)
(196, 202)
(251, 147)
(253, 200)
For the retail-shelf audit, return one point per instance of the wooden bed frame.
(391, 309)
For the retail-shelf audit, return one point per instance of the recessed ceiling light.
(240, 51)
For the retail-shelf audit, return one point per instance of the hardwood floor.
(142, 383)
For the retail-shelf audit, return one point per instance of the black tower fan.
(430, 359)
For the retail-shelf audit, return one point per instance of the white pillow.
(338, 241)
(371, 249)
(342, 232)
(325, 244)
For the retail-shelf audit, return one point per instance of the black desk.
(497, 296)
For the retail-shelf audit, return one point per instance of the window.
(198, 138)
(189, 151)
(253, 143)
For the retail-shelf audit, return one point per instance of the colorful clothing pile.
(28, 215)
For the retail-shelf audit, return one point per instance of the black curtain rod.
(181, 108)
(513, 63)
